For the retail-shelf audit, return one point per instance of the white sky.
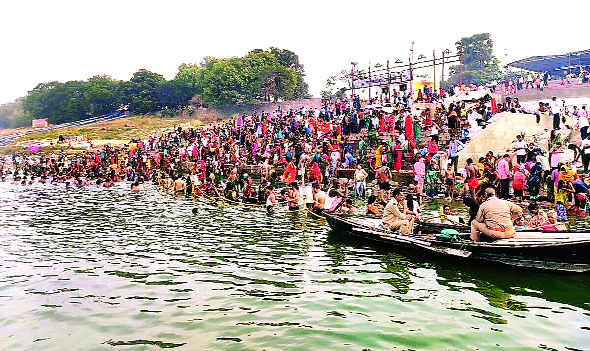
(61, 40)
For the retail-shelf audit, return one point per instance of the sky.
(44, 41)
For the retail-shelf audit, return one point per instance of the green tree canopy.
(12, 115)
(59, 102)
(480, 66)
(261, 75)
(103, 95)
(290, 60)
(141, 91)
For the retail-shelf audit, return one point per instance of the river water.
(108, 269)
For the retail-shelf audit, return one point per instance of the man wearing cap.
(495, 218)
(520, 148)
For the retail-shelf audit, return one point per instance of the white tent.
(468, 95)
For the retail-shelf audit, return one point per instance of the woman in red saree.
(290, 173)
(315, 175)
(432, 148)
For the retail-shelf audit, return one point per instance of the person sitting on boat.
(335, 197)
(538, 216)
(373, 208)
(552, 224)
(395, 216)
(494, 218)
(412, 206)
(520, 224)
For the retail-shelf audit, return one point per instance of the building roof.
(551, 63)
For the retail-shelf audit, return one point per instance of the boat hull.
(530, 249)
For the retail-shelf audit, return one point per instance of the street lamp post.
(433, 72)
(461, 66)
(445, 52)
(370, 83)
(352, 78)
(377, 66)
(388, 82)
(411, 59)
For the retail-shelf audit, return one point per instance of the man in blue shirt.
(454, 147)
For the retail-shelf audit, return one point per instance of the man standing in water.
(179, 185)
(294, 197)
(270, 199)
(395, 216)
(495, 218)
(359, 181)
(319, 197)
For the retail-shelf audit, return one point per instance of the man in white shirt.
(583, 122)
(520, 148)
(585, 146)
(555, 109)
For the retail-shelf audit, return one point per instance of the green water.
(108, 269)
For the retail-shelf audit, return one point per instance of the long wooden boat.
(556, 251)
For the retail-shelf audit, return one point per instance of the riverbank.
(114, 133)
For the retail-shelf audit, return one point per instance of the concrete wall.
(501, 133)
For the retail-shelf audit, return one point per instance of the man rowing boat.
(495, 218)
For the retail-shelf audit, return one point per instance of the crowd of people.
(297, 155)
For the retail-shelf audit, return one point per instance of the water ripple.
(89, 268)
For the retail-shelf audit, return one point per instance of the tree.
(35, 104)
(103, 95)
(189, 81)
(224, 82)
(290, 60)
(59, 102)
(269, 75)
(479, 65)
(277, 82)
(331, 82)
(141, 91)
(12, 115)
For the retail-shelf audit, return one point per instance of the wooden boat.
(557, 251)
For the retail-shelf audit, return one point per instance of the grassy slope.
(121, 129)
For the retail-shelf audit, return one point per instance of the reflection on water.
(96, 268)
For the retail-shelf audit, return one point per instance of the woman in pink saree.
(419, 174)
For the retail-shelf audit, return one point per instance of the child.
(561, 211)
(520, 224)
(450, 182)
(372, 207)
(347, 207)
